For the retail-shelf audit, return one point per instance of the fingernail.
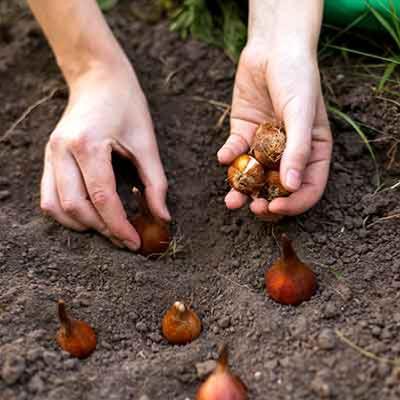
(293, 179)
(131, 245)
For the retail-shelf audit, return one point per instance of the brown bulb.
(180, 324)
(269, 144)
(274, 186)
(246, 175)
(75, 337)
(288, 280)
(221, 384)
(154, 233)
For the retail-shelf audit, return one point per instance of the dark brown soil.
(280, 352)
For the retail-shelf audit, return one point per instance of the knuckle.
(80, 144)
(47, 207)
(100, 197)
(71, 207)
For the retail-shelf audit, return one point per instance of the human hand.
(281, 82)
(106, 112)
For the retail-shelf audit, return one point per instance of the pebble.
(321, 388)
(4, 194)
(36, 384)
(50, 357)
(257, 375)
(140, 277)
(155, 337)
(71, 363)
(224, 322)
(205, 368)
(34, 354)
(330, 310)
(141, 327)
(13, 367)
(326, 339)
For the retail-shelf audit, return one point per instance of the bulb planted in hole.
(246, 175)
(288, 280)
(74, 336)
(154, 233)
(180, 324)
(222, 384)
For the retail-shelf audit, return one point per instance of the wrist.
(285, 24)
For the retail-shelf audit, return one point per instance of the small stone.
(224, 322)
(155, 337)
(321, 388)
(326, 339)
(330, 310)
(13, 368)
(257, 375)
(36, 384)
(4, 194)
(34, 354)
(50, 357)
(71, 363)
(141, 327)
(205, 368)
(376, 331)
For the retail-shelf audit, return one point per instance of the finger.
(95, 164)
(152, 174)
(235, 199)
(259, 207)
(49, 201)
(298, 116)
(238, 142)
(74, 197)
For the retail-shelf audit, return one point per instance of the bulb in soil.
(274, 186)
(246, 175)
(222, 384)
(268, 144)
(180, 324)
(154, 233)
(74, 336)
(288, 280)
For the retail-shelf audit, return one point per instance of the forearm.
(286, 22)
(78, 35)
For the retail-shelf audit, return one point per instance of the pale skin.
(277, 78)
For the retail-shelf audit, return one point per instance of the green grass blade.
(362, 53)
(385, 23)
(386, 75)
(344, 117)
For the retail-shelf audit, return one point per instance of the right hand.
(106, 112)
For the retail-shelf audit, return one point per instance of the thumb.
(298, 116)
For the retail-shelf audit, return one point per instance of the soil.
(280, 352)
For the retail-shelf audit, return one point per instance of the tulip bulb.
(74, 336)
(274, 186)
(154, 233)
(180, 324)
(288, 280)
(246, 175)
(269, 144)
(221, 384)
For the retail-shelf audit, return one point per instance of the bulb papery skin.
(180, 324)
(269, 144)
(81, 342)
(154, 235)
(290, 281)
(274, 186)
(74, 336)
(222, 386)
(246, 175)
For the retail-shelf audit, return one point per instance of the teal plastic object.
(344, 12)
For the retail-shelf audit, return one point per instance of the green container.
(344, 12)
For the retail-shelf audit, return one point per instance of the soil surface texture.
(343, 343)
